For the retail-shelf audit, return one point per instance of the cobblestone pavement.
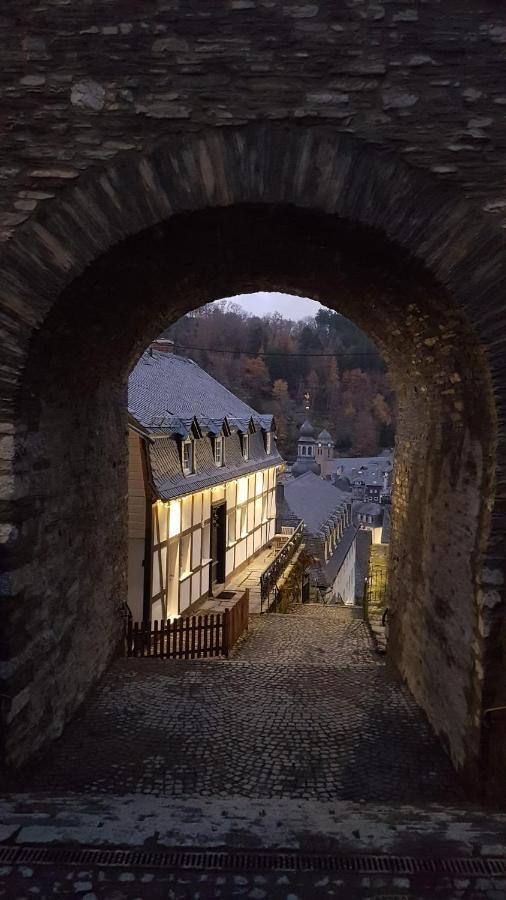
(305, 709)
(315, 635)
(25, 882)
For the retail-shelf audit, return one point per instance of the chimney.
(163, 345)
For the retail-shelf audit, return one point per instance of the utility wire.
(335, 355)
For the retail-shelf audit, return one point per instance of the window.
(244, 521)
(245, 445)
(268, 442)
(242, 490)
(231, 518)
(187, 457)
(218, 451)
(303, 450)
(185, 556)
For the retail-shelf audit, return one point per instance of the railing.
(193, 637)
(269, 578)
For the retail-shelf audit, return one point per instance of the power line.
(336, 354)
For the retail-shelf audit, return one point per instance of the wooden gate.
(194, 637)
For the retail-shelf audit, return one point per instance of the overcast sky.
(263, 303)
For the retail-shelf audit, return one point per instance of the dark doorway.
(218, 524)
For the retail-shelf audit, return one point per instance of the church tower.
(306, 451)
(325, 452)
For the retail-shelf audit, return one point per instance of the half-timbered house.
(202, 485)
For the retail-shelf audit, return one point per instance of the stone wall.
(385, 115)
(83, 83)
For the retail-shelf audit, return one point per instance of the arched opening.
(73, 409)
(221, 376)
(55, 642)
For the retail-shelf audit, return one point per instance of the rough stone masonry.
(158, 155)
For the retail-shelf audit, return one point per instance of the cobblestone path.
(305, 709)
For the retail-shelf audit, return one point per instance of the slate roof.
(373, 466)
(169, 480)
(171, 398)
(164, 385)
(334, 563)
(313, 499)
(316, 501)
(368, 508)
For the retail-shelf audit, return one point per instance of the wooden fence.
(193, 637)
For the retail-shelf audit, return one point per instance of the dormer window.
(187, 457)
(268, 442)
(245, 445)
(218, 451)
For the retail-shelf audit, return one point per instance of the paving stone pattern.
(306, 709)
(24, 882)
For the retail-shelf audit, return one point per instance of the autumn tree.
(364, 435)
(271, 362)
(255, 381)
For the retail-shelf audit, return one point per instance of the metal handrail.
(269, 578)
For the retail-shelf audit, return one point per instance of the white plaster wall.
(344, 583)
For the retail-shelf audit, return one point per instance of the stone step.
(138, 820)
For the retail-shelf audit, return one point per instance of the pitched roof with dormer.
(170, 398)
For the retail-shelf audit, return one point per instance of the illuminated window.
(242, 490)
(245, 445)
(187, 457)
(218, 451)
(174, 517)
(231, 518)
(185, 556)
(244, 521)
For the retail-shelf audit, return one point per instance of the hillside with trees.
(276, 365)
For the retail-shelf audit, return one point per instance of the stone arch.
(347, 194)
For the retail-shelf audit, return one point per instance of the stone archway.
(288, 209)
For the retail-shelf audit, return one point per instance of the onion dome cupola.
(306, 461)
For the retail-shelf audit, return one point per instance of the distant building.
(306, 452)
(329, 532)
(369, 478)
(202, 484)
(325, 452)
(369, 517)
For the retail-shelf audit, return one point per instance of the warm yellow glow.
(197, 509)
(259, 483)
(242, 490)
(186, 512)
(218, 492)
(174, 517)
